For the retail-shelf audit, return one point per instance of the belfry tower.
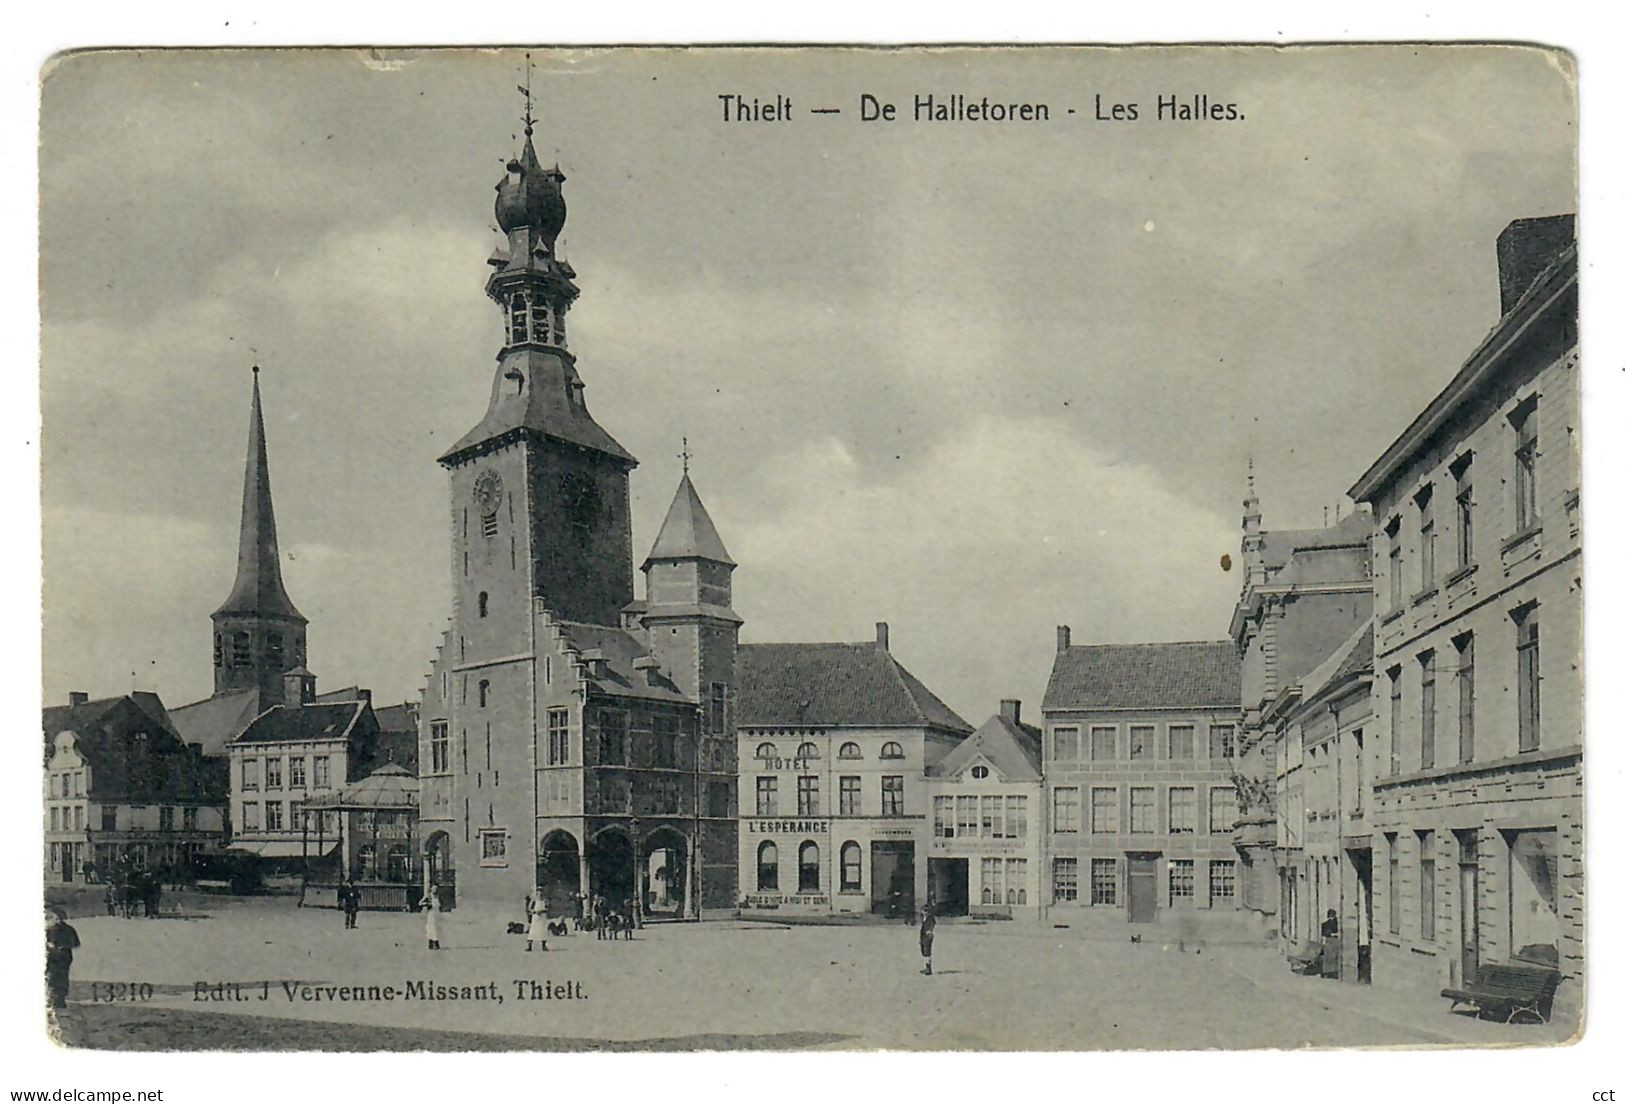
(258, 634)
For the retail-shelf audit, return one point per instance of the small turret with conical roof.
(258, 632)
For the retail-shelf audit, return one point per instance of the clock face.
(488, 493)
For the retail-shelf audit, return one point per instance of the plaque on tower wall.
(991, 549)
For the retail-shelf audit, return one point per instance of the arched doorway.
(611, 867)
(558, 872)
(438, 870)
(665, 873)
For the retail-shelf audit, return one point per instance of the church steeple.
(692, 627)
(258, 632)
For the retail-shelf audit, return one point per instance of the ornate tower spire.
(1252, 530)
(259, 633)
(692, 626)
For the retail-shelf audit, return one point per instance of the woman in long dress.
(431, 913)
(536, 928)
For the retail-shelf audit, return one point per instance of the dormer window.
(978, 772)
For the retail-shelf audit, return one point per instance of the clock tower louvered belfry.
(566, 746)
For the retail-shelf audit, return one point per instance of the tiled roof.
(619, 649)
(397, 718)
(301, 723)
(1012, 748)
(834, 684)
(541, 409)
(1192, 674)
(134, 753)
(1350, 532)
(1355, 656)
(213, 721)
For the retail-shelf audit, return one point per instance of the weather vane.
(524, 90)
(685, 456)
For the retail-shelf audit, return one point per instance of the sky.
(974, 380)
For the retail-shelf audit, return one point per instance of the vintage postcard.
(739, 548)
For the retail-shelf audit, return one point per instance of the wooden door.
(1142, 889)
(1468, 865)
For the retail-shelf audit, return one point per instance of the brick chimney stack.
(1010, 710)
(1063, 637)
(883, 635)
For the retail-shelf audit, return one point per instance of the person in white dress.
(431, 914)
(537, 921)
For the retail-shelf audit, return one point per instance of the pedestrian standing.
(600, 909)
(580, 900)
(928, 933)
(536, 922)
(60, 941)
(431, 917)
(350, 901)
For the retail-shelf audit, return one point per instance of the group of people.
(133, 889)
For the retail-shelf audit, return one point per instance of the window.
(1142, 742)
(1103, 881)
(519, 319)
(110, 817)
(851, 867)
(1523, 467)
(992, 818)
(1358, 741)
(485, 692)
(1182, 741)
(251, 817)
(1429, 899)
(849, 750)
(1221, 740)
(242, 653)
(1064, 745)
(1426, 533)
(716, 799)
(189, 818)
(1102, 809)
(1393, 884)
(1464, 698)
(321, 771)
(219, 650)
(808, 750)
(1065, 818)
(1528, 678)
(965, 817)
(1396, 566)
(807, 795)
(942, 817)
(767, 866)
(1221, 883)
(273, 650)
(1463, 471)
(1429, 708)
(992, 882)
(538, 321)
(767, 797)
(851, 795)
(56, 820)
(766, 751)
(493, 847)
(1015, 882)
(891, 795)
(558, 737)
(1103, 743)
(1221, 810)
(273, 773)
(663, 748)
(978, 772)
(807, 868)
(273, 816)
(1181, 809)
(1394, 720)
(1015, 817)
(611, 736)
(296, 772)
(1532, 894)
(485, 604)
(1065, 880)
(251, 774)
(1181, 880)
(891, 749)
(717, 708)
(1142, 809)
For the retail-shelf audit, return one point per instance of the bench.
(1515, 993)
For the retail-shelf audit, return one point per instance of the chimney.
(1010, 709)
(1525, 248)
(364, 695)
(1063, 637)
(298, 687)
(77, 697)
(883, 635)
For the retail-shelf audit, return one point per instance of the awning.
(285, 849)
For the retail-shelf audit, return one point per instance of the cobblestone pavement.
(729, 983)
